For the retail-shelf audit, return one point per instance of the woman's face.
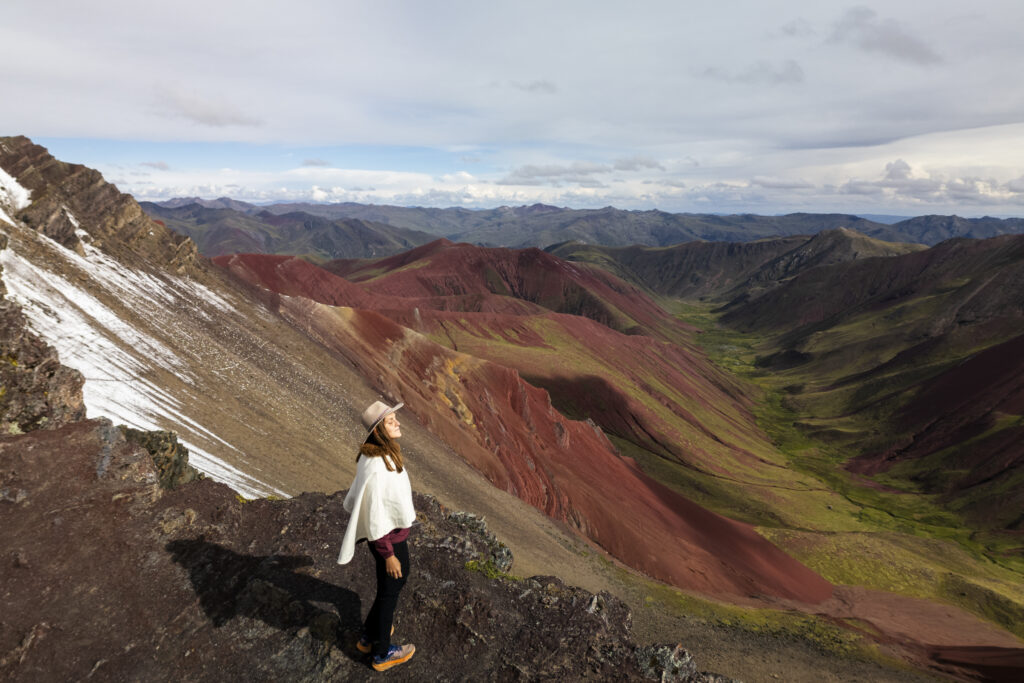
(392, 426)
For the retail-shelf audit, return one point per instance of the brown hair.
(380, 445)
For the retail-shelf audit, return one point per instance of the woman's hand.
(393, 567)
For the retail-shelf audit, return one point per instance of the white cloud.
(202, 109)
(797, 28)
(541, 87)
(861, 26)
(636, 163)
(916, 187)
(650, 99)
(577, 172)
(781, 183)
(761, 72)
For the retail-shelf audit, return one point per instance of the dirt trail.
(930, 633)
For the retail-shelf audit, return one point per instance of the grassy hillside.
(888, 532)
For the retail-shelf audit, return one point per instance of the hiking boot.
(396, 655)
(365, 646)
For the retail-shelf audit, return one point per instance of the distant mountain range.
(229, 230)
(540, 225)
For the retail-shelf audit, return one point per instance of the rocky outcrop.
(107, 574)
(169, 456)
(36, 391)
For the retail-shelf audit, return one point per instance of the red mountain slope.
(510, 432)
(659, 396)
(444, 269)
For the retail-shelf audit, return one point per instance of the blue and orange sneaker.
(364, 645)
(396, 655)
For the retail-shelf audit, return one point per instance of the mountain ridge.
(220, 230)
(729, 271)
(542, 225)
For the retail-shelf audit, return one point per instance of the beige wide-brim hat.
(377, 412)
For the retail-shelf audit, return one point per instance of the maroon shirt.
(383, 545)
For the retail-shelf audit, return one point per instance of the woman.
(380, 504)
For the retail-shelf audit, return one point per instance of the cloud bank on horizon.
(699, 106)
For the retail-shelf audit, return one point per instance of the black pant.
(382, 613)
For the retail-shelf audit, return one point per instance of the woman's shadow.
(267, 588)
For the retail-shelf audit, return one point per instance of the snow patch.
(218, 470)
(80, 322)
(71, 217)
(80, 233)
(91, 338)
(201, 291)
(12, 193)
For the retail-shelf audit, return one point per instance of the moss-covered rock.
(169, 456)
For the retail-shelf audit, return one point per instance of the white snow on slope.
(12, 193)
(91, 338)
(13, 197)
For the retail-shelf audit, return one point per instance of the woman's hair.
(380, 445)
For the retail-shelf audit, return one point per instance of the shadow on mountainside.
(271, 588)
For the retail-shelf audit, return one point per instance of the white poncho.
(379, 502)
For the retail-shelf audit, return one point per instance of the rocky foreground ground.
(116, 566)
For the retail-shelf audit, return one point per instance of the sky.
(726, 106)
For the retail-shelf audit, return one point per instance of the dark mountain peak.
(440, 244)
(848, 243)
(833, 233)
(178, 202)
(535, 209)
(218, 203)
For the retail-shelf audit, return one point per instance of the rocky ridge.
(72, 203)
